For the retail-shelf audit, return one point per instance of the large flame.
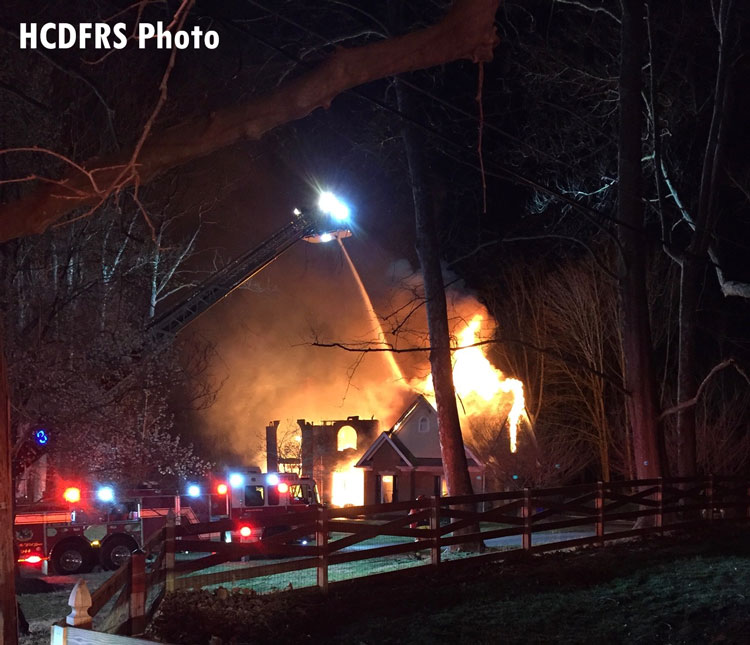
(480, 386)
(482, 390)
(348, 487)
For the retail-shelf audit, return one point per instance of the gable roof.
(414, 404)
(385, 438)
(428, 455)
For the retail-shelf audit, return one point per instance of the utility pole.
(8, 615)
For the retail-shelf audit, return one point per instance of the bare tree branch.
(730, 362)
(466, 32)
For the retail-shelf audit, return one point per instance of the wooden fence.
(322, 538)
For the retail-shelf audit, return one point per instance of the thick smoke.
(269, 367)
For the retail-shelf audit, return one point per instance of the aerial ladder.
(315, 227)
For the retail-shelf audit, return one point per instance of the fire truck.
(74, 537)
(265, 504)
(79, 532)
(102, 528)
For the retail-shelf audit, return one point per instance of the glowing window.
(424, 424)
(387, 488)
(347, 438)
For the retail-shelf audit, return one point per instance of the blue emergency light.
(41, 437)
(236, 480)
(105, 494)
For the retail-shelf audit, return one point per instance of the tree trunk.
(455, 466)
(8, 615)
(692, 263)
(640, 379)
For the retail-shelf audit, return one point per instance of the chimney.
(308, 450)
(272, 449)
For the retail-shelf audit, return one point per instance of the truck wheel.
(116, 551)
(71, 557)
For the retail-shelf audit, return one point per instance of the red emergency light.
(31, 559)
(283, 487)
(221, 489)
(72, 495)
(246, 531)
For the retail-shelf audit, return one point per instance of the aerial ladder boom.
(318, 227)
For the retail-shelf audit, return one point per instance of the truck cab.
(264, 504)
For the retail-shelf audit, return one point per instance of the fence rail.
(325, 538)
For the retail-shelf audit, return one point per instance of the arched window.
(347, 438)
(424, 424)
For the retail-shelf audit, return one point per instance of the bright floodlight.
(333, 206)
(194, 490)
(326, 237)
(105, 494)
(236, 480)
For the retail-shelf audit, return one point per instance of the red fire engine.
(104, 529)
(84, 530)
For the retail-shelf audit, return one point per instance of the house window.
(424, 425)
(347, 438)
(388, 492)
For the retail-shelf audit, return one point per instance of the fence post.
(660, 505)
(599, 504)
(321, 540)
(710, 495)
(137, 592)
(435, 530)
(169, 553)
(79, 602)
(526, 515)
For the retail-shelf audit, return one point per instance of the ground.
(685, 588)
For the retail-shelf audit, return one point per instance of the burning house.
(328, 452)
(405, 461)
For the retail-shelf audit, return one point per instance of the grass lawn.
(688, 588)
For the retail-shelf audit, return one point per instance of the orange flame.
(347, 485)
(479, 385)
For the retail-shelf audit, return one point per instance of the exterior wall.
(369, 484)
(320, 454)
(425, 483)
(422, 439)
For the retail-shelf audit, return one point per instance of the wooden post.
(747, 493)
(710, 497)
(169, 553)
(434, 529)
(79, 602)
(660, 505)
(137, 592)
(321, 539)
(526, 512)
(599, 504)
